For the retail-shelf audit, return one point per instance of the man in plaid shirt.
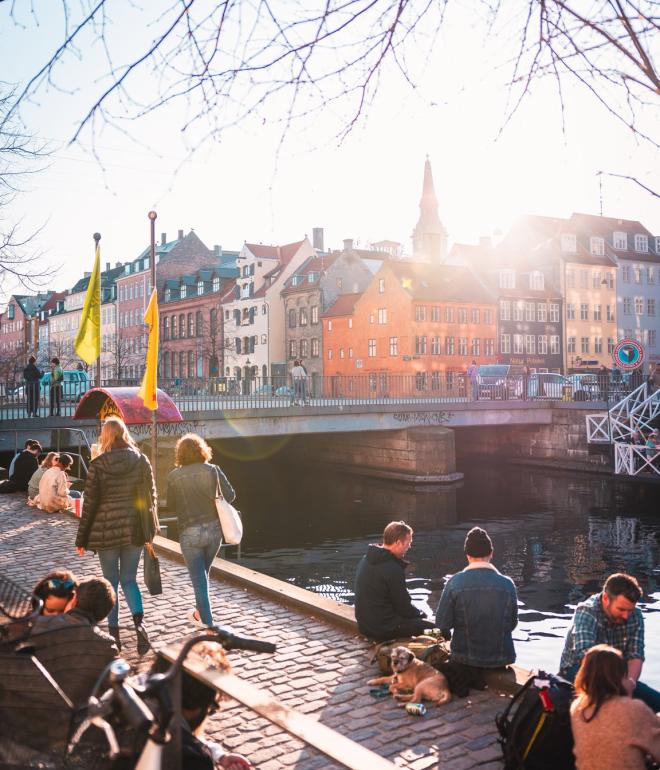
(611, 617)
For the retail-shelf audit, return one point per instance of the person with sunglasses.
(57, 591)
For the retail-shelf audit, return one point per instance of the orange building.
(414, 328)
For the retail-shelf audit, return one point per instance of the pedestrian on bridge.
(32, 376)
(119, 518)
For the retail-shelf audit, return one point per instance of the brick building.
(417, 319)
(19, 332)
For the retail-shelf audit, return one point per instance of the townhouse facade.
(253, 317)
(423, 320)
(19, 332)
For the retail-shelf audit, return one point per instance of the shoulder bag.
(230, 518)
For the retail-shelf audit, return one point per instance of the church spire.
(429, 236)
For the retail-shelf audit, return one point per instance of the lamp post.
(152, 264)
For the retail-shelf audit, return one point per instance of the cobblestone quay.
(319, 669)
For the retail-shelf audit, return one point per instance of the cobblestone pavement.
(319, 669)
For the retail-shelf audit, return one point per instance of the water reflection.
(558, 536)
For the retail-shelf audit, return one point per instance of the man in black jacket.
(383, 608)
(25, 464)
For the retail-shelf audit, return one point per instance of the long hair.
(599, 678)
(48, 460)
(190, 449)
(115, 435)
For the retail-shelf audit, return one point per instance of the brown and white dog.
(414, 680)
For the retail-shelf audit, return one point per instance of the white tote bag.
(230, 519)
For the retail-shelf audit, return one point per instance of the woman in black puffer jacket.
(119, 518)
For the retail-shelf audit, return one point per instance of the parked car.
(545, 385)
(586, 387)
(74, 384)
(498, 380)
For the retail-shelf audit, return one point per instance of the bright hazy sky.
(366, 188)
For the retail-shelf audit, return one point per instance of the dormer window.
(620, 241)
(597, 246)
(168, 295)
(507, 279)
(569, 243)
(200, 288)
(10, 312)
(312, 277)
(216, 284)
(641, 243)
(536, 280)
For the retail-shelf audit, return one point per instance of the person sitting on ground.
(383, 607)
(33, 484)
(480, 605)
(22, 468)
(54, 487)
(611, 617)
(611, 731)
(71, 646)
(57, 591)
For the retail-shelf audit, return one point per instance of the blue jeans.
(120, 565)
(200, 544)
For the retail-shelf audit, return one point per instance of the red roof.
(343, 305)
(282, 253)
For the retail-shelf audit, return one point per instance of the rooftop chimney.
(117, 264)
(180, 235)
(348, 244)
(317, 238)
(217, 250)
(107, 267)
(163, 239)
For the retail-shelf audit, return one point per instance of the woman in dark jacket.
(32, 376)
(191, 493)
(119, 517)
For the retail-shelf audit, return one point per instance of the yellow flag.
(147, 390)
(88, 340)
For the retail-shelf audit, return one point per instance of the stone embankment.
(320, 668)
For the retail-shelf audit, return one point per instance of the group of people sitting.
(78, 605)
(614, 717)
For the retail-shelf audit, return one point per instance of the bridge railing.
(634, 459)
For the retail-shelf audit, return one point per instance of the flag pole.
(97, 239)
(152, 263)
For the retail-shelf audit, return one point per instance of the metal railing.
(60, 439)
(634, 459)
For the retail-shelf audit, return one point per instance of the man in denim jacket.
(481, 606)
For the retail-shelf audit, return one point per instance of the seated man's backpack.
(535, 728)
(431, 649)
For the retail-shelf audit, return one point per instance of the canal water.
(557, 535)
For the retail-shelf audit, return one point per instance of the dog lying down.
(414, 680)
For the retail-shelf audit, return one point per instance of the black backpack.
(535, 728)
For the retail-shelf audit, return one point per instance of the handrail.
(633, 459)
(79, 432)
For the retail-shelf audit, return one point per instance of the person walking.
(191, 491)
(56, 379)
(119, 517)
(299, 380)
(473, 377)
(32, 376)
(611, 731)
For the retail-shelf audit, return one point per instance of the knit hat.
(477, 543)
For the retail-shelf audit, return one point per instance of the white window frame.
(597, 245)
(641, 243)
(620, 240)
(569, 243)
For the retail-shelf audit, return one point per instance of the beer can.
(416, 709)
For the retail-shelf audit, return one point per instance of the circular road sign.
(628, 354)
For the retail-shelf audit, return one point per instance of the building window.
(505, 310)
(627, 306)
(541, 312)
(476, 315)
(650, 307)
(641, 242)
(543, 345)
(597, 313)
(584, 312)
(329, 354)
(341, 352)
(435, 314)
(597, 246)
(315, 314)
(293, 349)
(554, 344)
(639, 306)
(462, 346)
(584, 279)
(350, 352)
(610, 345)
(420, 345)
(518, 343)
(350, 323)
(489, 347)
(650, 276)
(394, 346)
(381, 286)
(462, 315)
(584, 344)
(570, 279)
(476, 346)
(652, 337)
(264, 309)
(536, 280)
(216, 284)
(529, 311)
(420, 313)
(518, 310)
(174, 327)
(182, 326)
(372, 318)
(264, 339)
(449, 346)
(570, 311)
(620, 241)
(315, 347)
(609, 280)
(554, 312)
(488, 317)
(329, 326)
(292, 318)
(198, 323)
(638, 274)
(303, 317)
(200, 288)
(505, 343)
(569, 243)
(166, 328)
(449, 315)
(382, 315)
(507, 279)
(372, 348)
(571, 345)
(530, 343)
(598, 344)
(625, 273)
(610, 313)
(191, 325)
(435, 346)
